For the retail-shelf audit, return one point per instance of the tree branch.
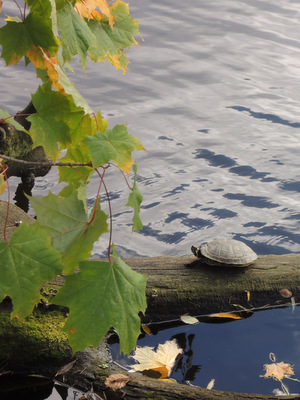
(46, 164)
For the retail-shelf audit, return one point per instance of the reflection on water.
(213, 94)
(232, 353)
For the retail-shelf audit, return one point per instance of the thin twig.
(46, 164)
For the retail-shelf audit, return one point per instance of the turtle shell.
(226, 252)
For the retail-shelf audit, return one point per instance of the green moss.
(38, 339)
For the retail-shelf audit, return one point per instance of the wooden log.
(179, 285)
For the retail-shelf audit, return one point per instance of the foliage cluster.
(101, 295)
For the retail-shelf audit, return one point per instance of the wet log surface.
(178, 285)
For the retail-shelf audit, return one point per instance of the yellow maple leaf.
(278, 370)
(87, 9)
(161, 360)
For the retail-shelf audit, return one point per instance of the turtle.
(226, 253)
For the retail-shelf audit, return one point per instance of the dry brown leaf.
(278, 370)
(66, 368)
(286, 293)
(117, 381)
(161, 360)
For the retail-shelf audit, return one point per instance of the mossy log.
(179, 285)
(176, 285)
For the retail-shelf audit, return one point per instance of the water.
(232, 353)
(213, 94)
(36, 388)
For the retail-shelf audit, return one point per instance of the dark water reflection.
(232, 353)
(213, 94)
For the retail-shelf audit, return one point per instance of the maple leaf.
(89, 294)
(278, 370)
(27, 263)
(66, 221)
(161, 360)
(114, 145)
(110, 43)
(76, 36)
(56, 74)
(38, 29)
(86, 8)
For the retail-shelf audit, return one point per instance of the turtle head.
(196, 251)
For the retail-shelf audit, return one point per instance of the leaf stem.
(123, 173)
(8, 204)
(110, 212)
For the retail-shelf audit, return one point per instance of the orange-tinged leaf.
(117, 381)
(157, 373)
(286, 293)
(226, 315)
(278, 370)
(161, 360)
(87, 8)
(146, 329)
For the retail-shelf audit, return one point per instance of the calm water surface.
(213, 94)
(233, 353)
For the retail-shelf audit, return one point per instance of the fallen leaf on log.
(187, 319)
(117, 381)
(226, 315)
(211, 384)
(160, 361)
(146, 329)
(65, 368)
(286, 293)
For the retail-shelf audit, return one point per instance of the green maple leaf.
(58, 121)
(76, 36)
(101, 296)
(72, 231)
(110, 42)
(27, 263)
(75, 175)
(38, 29)
(114, 145)
(48, 128)
(135, 199)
